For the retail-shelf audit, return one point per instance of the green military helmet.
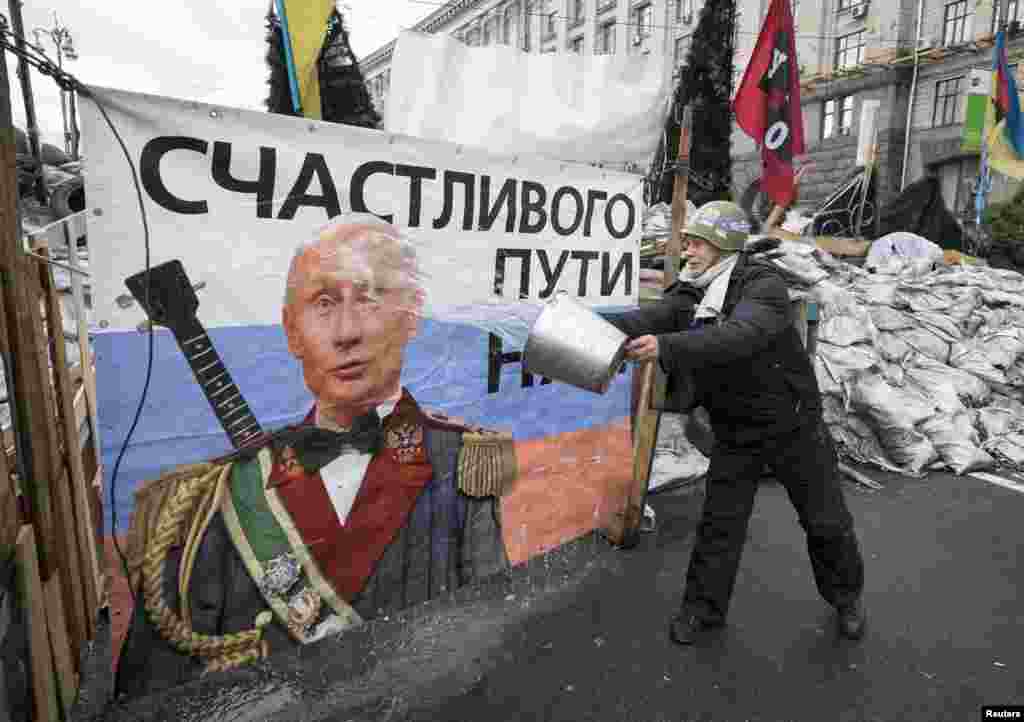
(722, 224)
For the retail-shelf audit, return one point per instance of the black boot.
(852, 620)
(688, 628)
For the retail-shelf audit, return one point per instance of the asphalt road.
(583, 635)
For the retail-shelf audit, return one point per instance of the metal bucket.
(570, 343)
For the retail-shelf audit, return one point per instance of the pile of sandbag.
(921, 365)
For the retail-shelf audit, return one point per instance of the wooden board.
(30, 593)
(79, 595)
(60, 645)
(10, 521)
(17, 338)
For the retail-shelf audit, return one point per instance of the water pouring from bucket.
(571, 344)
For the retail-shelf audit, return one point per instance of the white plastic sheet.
(585, 108)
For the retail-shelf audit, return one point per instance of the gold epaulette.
(150, 499)
(487, 462)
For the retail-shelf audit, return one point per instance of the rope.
(220, 652)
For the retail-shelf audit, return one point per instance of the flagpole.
(289, 57)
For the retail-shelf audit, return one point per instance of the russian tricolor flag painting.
(232, 195)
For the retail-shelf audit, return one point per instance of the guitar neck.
(220, 390)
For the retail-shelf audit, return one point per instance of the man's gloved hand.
(642, 348)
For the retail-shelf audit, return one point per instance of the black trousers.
(804, 461)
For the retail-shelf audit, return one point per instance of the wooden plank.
(73, 232)
(10, 518)
(30, 593)
(17, 339)
(81, 408)
(649, 396)
(679, 189)
(60, 645)
(79, 595)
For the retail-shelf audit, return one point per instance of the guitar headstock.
(172, 300)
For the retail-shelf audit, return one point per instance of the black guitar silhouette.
(173, 303)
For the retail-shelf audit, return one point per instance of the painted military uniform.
(232, 559)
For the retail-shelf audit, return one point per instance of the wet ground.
(580, 633)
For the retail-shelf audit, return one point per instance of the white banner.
(580, 107)
(230, 193)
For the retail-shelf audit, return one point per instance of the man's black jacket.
(750, 370)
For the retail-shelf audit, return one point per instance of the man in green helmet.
(726, 327)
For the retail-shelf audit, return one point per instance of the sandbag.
(963, 306)
(937, 387)
(971, 389)
(999, 401)
(923, 301)
(940, 324)
(832, 411)
(1015, 374)
(859, 441)
(1008, 449)
(971, 359)
(799, 264)
(888, 406)
(894, 373)
(996, 298)
(1002, 349)
(828, 385)
(909, 449)
(954, 437)
(845, 330)
(973, 324)
(843, 362)
(887, 318)
(925, 341)
(882, 293)
(892, 347)
(995, 422)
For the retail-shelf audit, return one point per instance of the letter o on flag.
(776, 135)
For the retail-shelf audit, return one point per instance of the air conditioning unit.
(860, 10)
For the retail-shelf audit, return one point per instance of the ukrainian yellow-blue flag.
(304, 23)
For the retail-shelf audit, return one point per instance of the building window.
(684, 11)
(837, 117)
(643, 21)
(850, 50)
(576, 44)
(577, 10)
(947, 102)
(605, 39)
(605, 5)
(682, 46)
(954, 25)
(549, 20)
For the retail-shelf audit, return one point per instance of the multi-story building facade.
(849, 51)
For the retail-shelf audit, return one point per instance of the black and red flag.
(767, 104)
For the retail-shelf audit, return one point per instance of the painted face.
(700, 255)
(348, 320)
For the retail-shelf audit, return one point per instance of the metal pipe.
(913, 94)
